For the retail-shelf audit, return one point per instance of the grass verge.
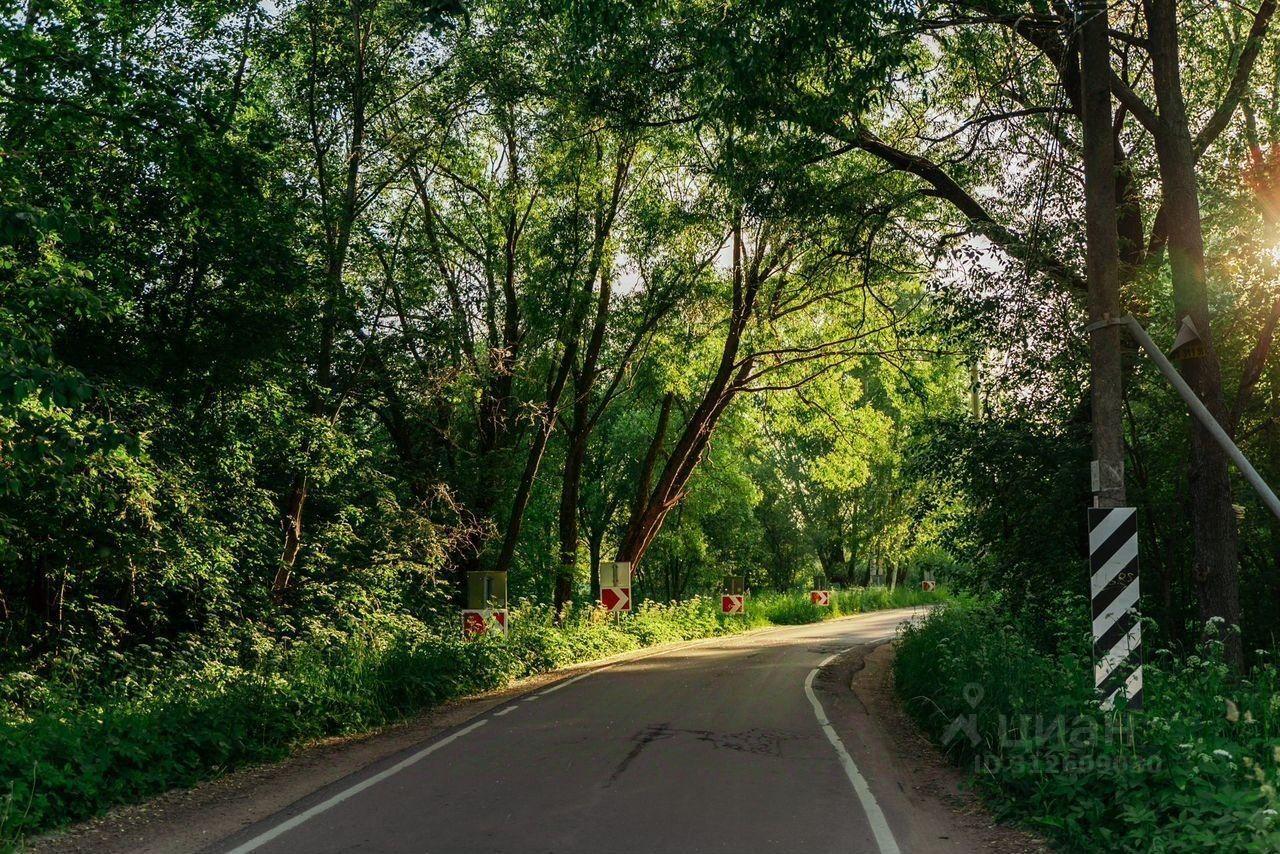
(76, 752)
(1196, 771)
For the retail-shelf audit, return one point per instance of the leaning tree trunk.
(651, 510)
(1215, 570)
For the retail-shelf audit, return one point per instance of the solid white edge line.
(875, 817)
(284, 827)
(567, 682)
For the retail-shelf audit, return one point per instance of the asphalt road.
(717, 747)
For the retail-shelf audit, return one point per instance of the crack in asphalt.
(760, 742)
(643, 739)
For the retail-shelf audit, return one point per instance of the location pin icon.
(973, 694)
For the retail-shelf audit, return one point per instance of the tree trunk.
(647, 520)
(576, 453)
(585, 380)
(338, 242)
(1215, 570)
(595, 546)
(546, 423)
(645, 482)
(569, 488)
(495, 411)
(681, 464)
(1102, 259)
(292, 523)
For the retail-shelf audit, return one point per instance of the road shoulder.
(925, 798)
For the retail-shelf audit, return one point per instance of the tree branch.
(1239, 80)
(945, 187)
(1253, 366)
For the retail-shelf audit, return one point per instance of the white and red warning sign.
(615, 586)
(822, 598)
(480, 621)
(928, 585)
(615, 598)
(733, 603)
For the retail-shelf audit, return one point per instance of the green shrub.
(795, 608)
(787, 609)
(1196, 771)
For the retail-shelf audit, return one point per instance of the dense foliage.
(308, 307)
(1197, 771)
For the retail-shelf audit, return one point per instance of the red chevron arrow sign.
(820, 597)
(478, 621)
(615, 598)
(732, 603)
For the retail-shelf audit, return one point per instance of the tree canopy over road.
(308, 308)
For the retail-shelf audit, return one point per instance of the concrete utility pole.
(1113, 529)
(1103, 256)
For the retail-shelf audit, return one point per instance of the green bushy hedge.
(790, 609)
(67, 753)
(1196, 771)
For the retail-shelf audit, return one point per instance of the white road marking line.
(566, 683)
(875, 817)
(510, 708)
(284, 827)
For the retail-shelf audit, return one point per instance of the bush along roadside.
(68, 752)
(1198, 770)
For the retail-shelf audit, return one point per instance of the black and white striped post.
(1113, 587)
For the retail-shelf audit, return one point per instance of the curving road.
(718, 746)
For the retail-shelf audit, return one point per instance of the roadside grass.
(68, 752)
(1197, 770)
(794, 608)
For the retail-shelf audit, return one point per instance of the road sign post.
(734, 598)
(929, 584)
(1113, 589)
(615, 586)
(486, 609)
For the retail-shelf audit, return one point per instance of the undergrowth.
(1196, 771)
